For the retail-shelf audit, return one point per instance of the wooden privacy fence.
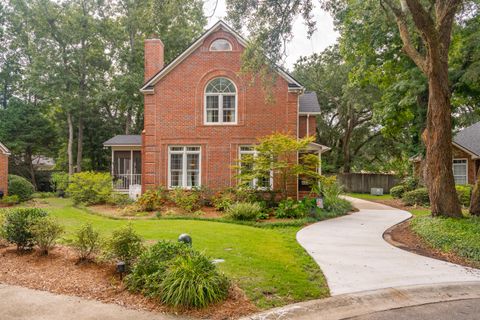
(363, 182)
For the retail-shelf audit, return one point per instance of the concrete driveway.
(354, 256)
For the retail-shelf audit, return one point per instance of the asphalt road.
(452, 310)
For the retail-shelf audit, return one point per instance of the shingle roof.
(3, 149)
(124, 140)
(469, 138)
(309, 102)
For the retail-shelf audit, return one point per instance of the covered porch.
(304, 186)
(126, 163)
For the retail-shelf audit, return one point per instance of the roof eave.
(473, 154)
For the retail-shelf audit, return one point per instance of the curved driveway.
(354, 256)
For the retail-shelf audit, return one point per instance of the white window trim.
(229, 43)
(184, 165)
(254, 152)
(220, 105)
(466, 168)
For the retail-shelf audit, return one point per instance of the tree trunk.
(70, 143)
(80, 144)
(440, 182)
(475, 200)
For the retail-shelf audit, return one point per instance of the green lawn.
(367, 196)
(268, 264)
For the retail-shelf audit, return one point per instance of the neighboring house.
(201, 115)
(466, 155)
(4, 153)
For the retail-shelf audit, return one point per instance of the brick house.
(201, 114)
(4, 153)
(466, 156)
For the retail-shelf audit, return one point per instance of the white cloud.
(300, 45)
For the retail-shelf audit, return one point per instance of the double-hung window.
(184, 166)
(264, 182)
(460, 171)
(220, 102)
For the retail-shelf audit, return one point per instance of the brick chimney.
(153, 57)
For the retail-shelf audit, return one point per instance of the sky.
(300, 45)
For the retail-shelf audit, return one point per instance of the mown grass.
(460, 236)
(367, 196)
(267, 263)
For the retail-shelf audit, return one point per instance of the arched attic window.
(220, 102)
(221, 45)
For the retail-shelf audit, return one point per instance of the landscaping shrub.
(90, 187)
(464, 194)
(416, 197)
(244, 211)
(290, 208)
(86, 242)
(125, 245)
(397, 191)
(410, 183)
(10, 200)
(21, 187)
(189, 201)
(152, 200)
(59, 182)
(119, 199)
(46, 233)
(18, 223)
(192, 280)
(148, 271)
(222, 200)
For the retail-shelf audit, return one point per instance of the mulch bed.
(59, 273)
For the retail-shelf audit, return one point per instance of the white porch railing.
(122, 182)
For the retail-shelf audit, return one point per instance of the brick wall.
(460, 154)
(302, 126)
(3, 173)
(174, 115)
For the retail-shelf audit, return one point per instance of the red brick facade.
(4, 173)
(307, 123)
(174, 114)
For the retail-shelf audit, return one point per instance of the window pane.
(263, 182)
(212, 115)
(176, 161)
(220, 85)
(193, 170)
(176, 178)
(193, 148)
(228, 115)
(228, 102)
(176, 148)
(220, 45)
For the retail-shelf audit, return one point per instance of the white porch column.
(113, 163)
(320, 162)
(131, 166)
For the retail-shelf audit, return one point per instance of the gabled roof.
(309, 103)
(469, 139)
(4, 150)
(124, 140)
(148, 87)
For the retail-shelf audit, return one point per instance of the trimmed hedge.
(416, 197)
(464, 194)
(21, 187)
(397, 191)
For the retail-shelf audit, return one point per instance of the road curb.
(357, 304)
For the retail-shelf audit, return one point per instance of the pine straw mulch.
(59, 273)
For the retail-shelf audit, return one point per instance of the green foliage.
(147, 273)
(464, 194)
(59, 181)
(21, 187)
(276, 154)
(225, 198)
(18, 224)
(10, 200)
(192, 281)
(244, 211)
(331, 190)
(152, 200)
(416, 197)
(90, 187)
(410, 183)
(397, 191)
(290, 208)
(460, 236)
(86, 242)
(125, 245)
(46, 232)
(188, 200)
(119, 199)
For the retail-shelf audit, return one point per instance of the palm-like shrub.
(192, 281)
(244, 211)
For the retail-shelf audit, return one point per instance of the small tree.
(278, 154)
(475, 199)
